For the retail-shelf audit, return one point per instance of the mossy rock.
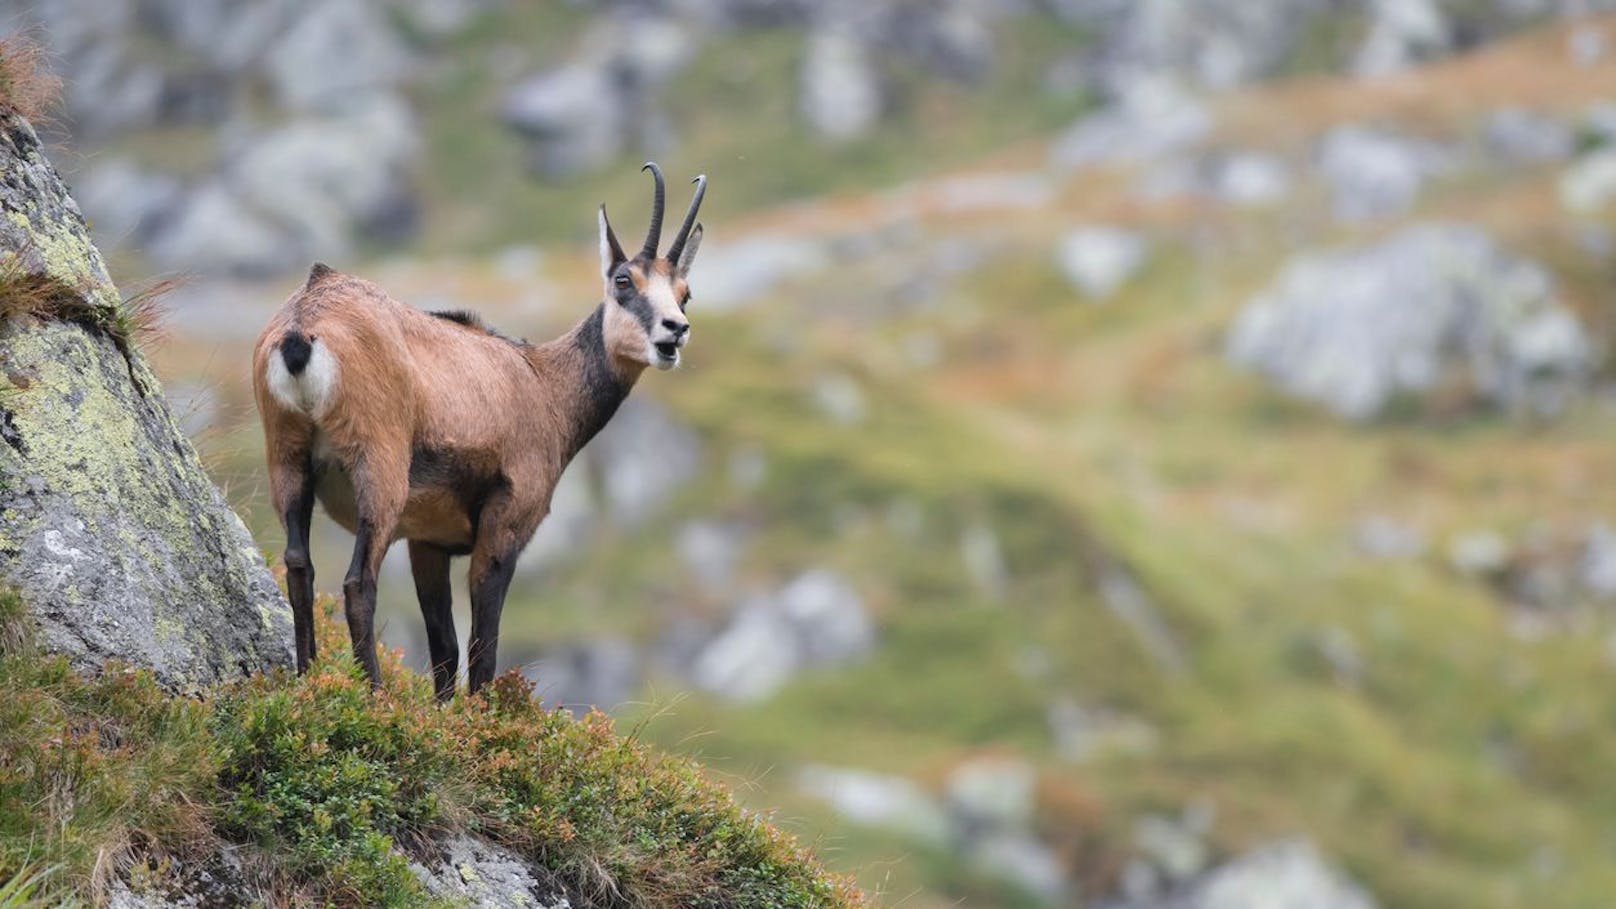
(110, 530)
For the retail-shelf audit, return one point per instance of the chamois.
(434, 428)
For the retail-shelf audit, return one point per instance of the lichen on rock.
(110, 530)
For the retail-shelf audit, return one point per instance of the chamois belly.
(438, 509)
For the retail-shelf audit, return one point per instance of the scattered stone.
(643, 458)
(1374, 174)
(214, 231)
(1588, 45)
(1403, 33)
(815, 621)
(1480, 553)
(1286, 875)
(1518, 136)
(734, 275)
(1083, 733)
(984, 560)
(1023, 860)
(877, 800)
(481, 875)
(601, 673)
(841, 88)
(1597, 568)
(1384, 537)
(992, 794)
(1098, 261)
(584, 112)
(333, 51)
(1209, 44)
(710, 550)
(1589, 185)
(1129, 603)
(1176, 849)
(124, 203)
(1150, 123)
(840, 398)
(1251, 179)
(1428, 306)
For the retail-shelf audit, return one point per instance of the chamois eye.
(622, 282)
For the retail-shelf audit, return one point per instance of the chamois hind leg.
(500, 538)
(380, 498)
(430, 566)
(291, 479)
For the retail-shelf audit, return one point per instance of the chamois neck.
(594, 383)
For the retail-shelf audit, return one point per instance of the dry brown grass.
(27, 86)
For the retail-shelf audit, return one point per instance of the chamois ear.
(688, 254)
(611, 252)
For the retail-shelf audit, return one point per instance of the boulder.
(126, 203)
(841, 87)
(817, 620)
(579, 114)
(736, 274)
(600, 673)
(1401, 34)
(301, 190)
(110, 531)
(1153, 120)
(1431, 308)
(1286, 875)
(1589, 186)
(1211, 44)
(333, 51)
(877, 800)
(1098, 261)
(1516, 136)
(1375, 174)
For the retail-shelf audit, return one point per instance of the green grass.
(326, 790)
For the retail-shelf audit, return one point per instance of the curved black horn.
(653, 234)
(690, 219)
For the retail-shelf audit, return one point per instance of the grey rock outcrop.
(1290, 874)
(817, 620)
(1098, 261)
(110, 531)
(1376, 174)
(1431, 307)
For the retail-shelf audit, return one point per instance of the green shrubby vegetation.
(325, 792)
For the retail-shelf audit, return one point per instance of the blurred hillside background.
(1151, 455)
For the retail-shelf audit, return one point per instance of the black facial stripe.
(640, 307)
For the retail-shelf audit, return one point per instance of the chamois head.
(646, 295)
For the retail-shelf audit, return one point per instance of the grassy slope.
(1462, 766)
(323, 790)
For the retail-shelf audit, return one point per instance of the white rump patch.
(309, 393)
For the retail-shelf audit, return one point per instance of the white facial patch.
(310, 392)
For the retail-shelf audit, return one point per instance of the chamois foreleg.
(430, 566)
(501, 535)
(380, 496)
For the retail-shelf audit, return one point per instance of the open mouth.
(667, 351)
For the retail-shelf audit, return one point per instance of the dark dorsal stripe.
(472, 320)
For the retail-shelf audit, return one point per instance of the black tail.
(295, 351)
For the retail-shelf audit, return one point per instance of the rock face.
(109, 529)
(1432, 308)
